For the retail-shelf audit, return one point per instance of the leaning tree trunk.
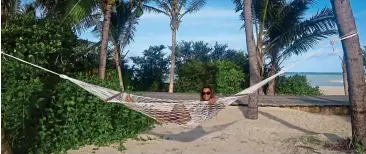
(119, 70)
(272, 83)
(354, 66)
(5, 147)
(253, 61)
(345, 81)
(261, 72)
(105, 34)
(172, 68)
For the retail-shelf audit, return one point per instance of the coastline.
(332, 90)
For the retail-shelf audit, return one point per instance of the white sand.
(230, 132)
(332, 90)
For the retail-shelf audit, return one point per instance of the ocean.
(320, 78)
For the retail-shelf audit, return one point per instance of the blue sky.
(217, 21)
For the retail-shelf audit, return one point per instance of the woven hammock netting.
(189, 113)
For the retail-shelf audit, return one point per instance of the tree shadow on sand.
(332, 137)
(193, 134)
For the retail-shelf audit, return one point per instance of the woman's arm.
(212, 100)
(129, 98)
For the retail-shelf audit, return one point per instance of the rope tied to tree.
(348, 35)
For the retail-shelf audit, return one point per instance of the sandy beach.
(277, 130)
(332, 90)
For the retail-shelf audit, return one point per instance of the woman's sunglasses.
(207, 93)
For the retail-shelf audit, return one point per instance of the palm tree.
(107, 7)
(81, 13)
(254, 73)
(122, 27)
(288, 34)
(172, 9)
(260, 11)
(355, 71)
(281, 31)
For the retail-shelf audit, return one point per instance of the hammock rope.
(189, 113)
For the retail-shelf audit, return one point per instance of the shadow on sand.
(193, 134)
(332, 137)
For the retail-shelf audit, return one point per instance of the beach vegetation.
(296, 85)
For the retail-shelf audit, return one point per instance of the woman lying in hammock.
(207, 94)
(179, 113)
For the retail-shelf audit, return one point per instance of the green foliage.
(225, 76)
(197, 66)
(195, 74)
(229, 77)
(296, 85)
(150, 69)
(76, 118)
(42, 113)
(359, 149)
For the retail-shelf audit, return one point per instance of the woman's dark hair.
(212, 92)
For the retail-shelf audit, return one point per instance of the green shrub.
(229, 77)
(296, 85)
(79, 118)
(194, 74)
(225, 76)
(42, 113)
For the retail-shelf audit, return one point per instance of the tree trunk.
(259, 48)
(253, 61)
(354, 66)
(119, 70)
(172, 68)
(5, 147)
(105, 34)
(272, 83)
(345, 81)
(261, 72)
(4, 11)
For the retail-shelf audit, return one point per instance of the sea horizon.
(321, 78)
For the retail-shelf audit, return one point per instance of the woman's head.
(207, 93)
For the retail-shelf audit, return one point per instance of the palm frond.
(322, 21)
(305, 42)
(154, 10)
(11, 5)
(164, 5)
(181, 4)
(28, 9)
(80, 13)
(194, 7)
(238, 5)
(128, 32)
(74, 12)
(88, 22)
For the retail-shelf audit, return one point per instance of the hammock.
(189, 113)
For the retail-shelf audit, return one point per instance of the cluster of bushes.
(225, 76)
(41, 113)
(296, 85)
